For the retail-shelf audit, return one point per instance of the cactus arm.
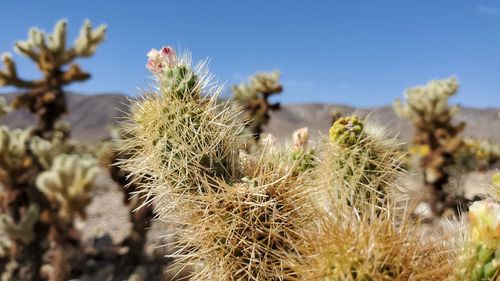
(9, 77)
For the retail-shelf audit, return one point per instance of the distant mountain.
(91, 116)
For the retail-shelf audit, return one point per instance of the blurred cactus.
(68, 184)
(301, 153)
(254, 98)
(426, 108)
(4, 107)
(336, 113)
(477, 155)
(496, 185)
(23, 230)
(45, 97)
(481, 257)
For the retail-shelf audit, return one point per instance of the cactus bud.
(346, 131)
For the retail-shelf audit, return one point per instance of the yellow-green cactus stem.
(346, 130)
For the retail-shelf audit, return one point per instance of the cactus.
(360, 163)
(343, 246)
(238, 217)
(477, 154)
(45, 97)
(68, 183)
(254, 98)
(305, 156)
(480, 259)
(426, 108)
(496, 186)
(363, 233)
(31, 157)
(23, 230)
(180, 141)
(4, 107)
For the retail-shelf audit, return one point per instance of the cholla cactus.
(4, 107)
(68, 183)
(496, 185)
(481, 257)
(254, 98)
(477, 154)
(12, 149)
(180, 140)
(363, 234)
(239, 217)
(346, 131)
(251, 227)
(427, 109)
(301, 152)
(360, 163)
(45, 97)
(23, 230)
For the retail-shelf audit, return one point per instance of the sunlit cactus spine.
(426, 108)
(45, 97)
(254, 98)
(480, 259)
(239, 217)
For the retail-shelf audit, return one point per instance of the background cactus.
(254, 98)
(31, 158)
(68, 184)
(427, 109)
(477, 155)
(45, 97)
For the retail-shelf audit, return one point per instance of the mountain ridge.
(91, 116)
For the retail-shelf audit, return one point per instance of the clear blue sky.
(362, 53)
